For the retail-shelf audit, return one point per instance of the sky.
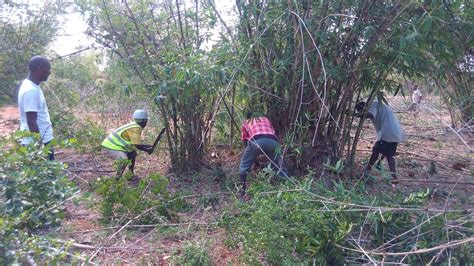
(71, 37)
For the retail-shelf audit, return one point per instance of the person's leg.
(50, 151)
(246, 163)
(51, 154)
(132, 156)
(391, 166)
(390, 151)
(120, 158)
(120, 169)
(271, 148)
(374, 156)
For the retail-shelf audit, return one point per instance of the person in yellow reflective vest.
(123, 142)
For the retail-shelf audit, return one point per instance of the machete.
(158, 139)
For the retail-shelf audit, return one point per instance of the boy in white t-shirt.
(34, 115)
(415, 99)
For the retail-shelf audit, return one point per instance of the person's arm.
(31, 119)
(419, 98)
(31, 103)
(145, 147)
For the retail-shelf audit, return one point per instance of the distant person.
(259, 137)
(389, 133)
(123, 142)
(34, 115)
(415, 99)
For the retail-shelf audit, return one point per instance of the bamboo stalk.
(419, 251)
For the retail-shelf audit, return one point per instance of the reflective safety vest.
(115, 141)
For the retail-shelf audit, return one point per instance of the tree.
(309, 62)
(447, 31)
(158, 47)
(25, 30)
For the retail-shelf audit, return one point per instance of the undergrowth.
(326, 222)
(192, 254)
(148, 202)
(88, 134)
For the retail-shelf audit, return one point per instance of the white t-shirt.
(416, 96)
(386, 123)
(31, 99)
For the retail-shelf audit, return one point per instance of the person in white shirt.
(34, 115)
(389, 133)
(415, 99)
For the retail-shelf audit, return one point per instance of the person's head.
(40, 68)
(253, 112)
(415, 87)
(141, 117)
(360, 106)
(248, 114)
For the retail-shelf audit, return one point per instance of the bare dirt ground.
(9, 120)
(432, 153)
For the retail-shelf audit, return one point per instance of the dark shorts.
(385, 148)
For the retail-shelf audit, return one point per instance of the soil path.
(9, 120)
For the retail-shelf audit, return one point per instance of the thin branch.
(451, 244)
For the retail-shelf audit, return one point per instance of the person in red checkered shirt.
(259, 137)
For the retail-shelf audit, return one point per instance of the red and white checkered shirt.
(256, 126)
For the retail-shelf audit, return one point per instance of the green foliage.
(337, 168)
(295, 224)
(383, 226)
(70, 91)
(211, 200)
(192, 254)
(417, 197)
(89, 135)
(190, 86)
(32, 190)
(287, 227)
(25, 30)
(308, 62)
(147, 203)
(171, 63)
(86, 133)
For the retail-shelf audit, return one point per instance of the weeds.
(149, 200)
(286, 227)
(192, 254)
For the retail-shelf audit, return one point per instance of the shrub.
(87, 133)
(149, 199)
(32, 191)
